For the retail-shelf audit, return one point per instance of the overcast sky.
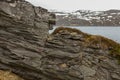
(72, 5)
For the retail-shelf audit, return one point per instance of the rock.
(90, 78)
(23, 30)
(87, 72)
(27, 50)
(115, 77)
(89, 62)
(27, 15)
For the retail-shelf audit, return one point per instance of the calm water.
(109, 32)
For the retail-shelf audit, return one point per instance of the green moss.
(118, 60)
(106, 44)
(115, 52)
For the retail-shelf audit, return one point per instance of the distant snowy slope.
(89, 18)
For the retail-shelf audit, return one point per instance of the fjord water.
(109, 32)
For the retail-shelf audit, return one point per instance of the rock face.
(27, 49)
(75, 55)
(23, 14)
(23, 30)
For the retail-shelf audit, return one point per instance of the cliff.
(28, 52)
(76, 55)
(23, 14)
(23, 30)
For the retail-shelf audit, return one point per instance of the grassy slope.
(103, 42)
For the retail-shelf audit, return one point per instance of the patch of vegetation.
(7, 75)
(70, 30)
(104, 43)
(116, 51)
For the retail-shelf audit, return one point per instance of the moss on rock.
(93, 41)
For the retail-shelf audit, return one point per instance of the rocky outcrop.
(23, 30)
(27, 50)
(23, 14)
(75, 55)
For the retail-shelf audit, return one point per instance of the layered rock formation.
(23, 30)
(75, 55)
(21, 13)
(27, 50)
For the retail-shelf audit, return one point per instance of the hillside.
(88, 18)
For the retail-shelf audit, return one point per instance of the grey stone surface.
(27, 49)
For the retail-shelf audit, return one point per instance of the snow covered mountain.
(88, 18)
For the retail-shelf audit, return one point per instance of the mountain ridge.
(88, 18)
